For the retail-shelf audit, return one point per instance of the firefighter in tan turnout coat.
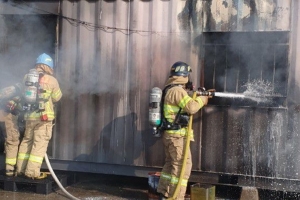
(177, 105)
(39, 118)
(10, 111)
(12, 141)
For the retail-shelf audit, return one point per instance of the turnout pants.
(174, 152)
(12, 140)
(33, 147)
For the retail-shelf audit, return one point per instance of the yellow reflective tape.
(173, 179)
(170, 111)
(56, 94)
(37, 159)
(184, 101)
(171, 108)
(181, 132)
(23, 156)
(37, 115)
(199, 100)
(184, 182)
(46, 94)
(11, 161)
(165, 176)
(50, 114)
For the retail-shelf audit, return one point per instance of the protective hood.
(178, 80)
(44, 68)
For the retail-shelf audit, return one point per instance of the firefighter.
(177, 105)
(11, 110)
(39, 119)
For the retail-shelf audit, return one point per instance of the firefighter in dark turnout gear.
(38, 119)
(177, 106)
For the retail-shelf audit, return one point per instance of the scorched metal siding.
(108, 66)
(113, 52)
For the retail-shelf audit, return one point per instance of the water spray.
(220, 94)
(257, 90)
(246, 95)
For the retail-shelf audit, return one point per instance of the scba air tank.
(154, 107)
(31, 86)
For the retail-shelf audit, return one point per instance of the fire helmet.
(45, 59)
(180, 69)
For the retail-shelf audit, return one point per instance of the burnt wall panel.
(233, 61)
(232, 70)
(293, 94)
(244, 15)
(249, 141)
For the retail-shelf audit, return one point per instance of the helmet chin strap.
(189, 85)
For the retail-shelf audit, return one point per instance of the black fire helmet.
(180, 69)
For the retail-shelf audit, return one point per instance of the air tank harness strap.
(166, 125)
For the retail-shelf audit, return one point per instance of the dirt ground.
(86, 186)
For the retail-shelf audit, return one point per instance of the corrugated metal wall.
(109, 67)
(111, 53)
(116, 51)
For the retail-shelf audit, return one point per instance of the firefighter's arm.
(183, 100)
(194, 106)
(204, 100)
(56, 93)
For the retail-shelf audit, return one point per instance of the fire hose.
(57, 181)
(186, 150)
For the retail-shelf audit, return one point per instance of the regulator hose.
(57, 181)
(186, 150)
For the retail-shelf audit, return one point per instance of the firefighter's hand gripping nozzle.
(202, 92)
(155, 111)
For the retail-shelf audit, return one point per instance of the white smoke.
(22, 39)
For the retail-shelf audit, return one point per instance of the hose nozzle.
(203, 92)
